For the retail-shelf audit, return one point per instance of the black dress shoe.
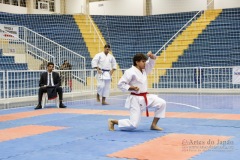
(62, 106)
(39, 106)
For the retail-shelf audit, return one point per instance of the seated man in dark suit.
(50, 82)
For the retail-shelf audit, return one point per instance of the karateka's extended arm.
(151, 55)
(150, 63)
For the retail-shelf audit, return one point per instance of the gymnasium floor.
(80, 132)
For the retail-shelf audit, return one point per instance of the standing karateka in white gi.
(105, 64)
(135, 81)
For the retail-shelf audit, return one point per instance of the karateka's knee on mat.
(129, 128)
(134, 125)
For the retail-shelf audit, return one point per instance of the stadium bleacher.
(133, 34)
(217, 45)
(8, 63)
(61, 29)
(129, 35)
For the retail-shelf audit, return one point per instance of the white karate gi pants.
(103, 87)
(137, 107)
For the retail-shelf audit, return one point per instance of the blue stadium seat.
(8, 63)
(218, 45)
(61, 29)
(129, 35)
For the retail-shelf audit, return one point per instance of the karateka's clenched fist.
(99, 71)
(133, 88)
(151, 55)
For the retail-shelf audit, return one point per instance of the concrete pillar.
(85, 7)
(144, 7)
(62, 7)
(210, 6)
(148, 7)
(30, 6)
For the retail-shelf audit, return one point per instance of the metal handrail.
(52, 41)
(28, 43)
(91, 22)
(164, 46)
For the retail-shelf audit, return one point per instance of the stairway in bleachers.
(92, 40)
(129, 35)
(217, 45)
(8, 63)
(185, 38)
(89, 35)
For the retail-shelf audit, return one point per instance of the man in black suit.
(50, 82)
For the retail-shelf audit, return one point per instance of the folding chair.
(45, 99)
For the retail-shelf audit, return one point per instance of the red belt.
(145, 98)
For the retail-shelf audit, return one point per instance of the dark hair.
(50, 63)
(107, 46)
(138, 57)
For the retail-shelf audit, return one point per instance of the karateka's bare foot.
(105, 103)
(111, 125)
(156, 128)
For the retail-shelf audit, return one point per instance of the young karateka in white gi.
(105, 64)
(135, 81)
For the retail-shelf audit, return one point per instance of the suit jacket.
(52, 90)
(44, 79)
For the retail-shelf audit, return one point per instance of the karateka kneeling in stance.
(135, 81)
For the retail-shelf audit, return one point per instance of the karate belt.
(105, 70)
(145, 98)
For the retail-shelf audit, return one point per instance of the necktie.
(49, 79)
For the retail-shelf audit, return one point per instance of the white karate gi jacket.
(136, 104)
(134, 77)
(104, 62)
